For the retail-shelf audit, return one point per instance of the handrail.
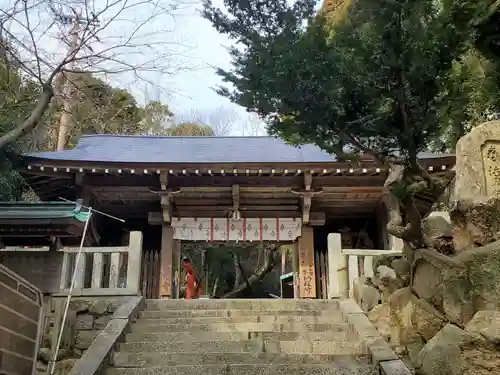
(370, 252)
(29, 293)
(122, 274)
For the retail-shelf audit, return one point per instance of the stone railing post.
(134, 261)
(338, 268)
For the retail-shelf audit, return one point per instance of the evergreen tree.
(373, 80)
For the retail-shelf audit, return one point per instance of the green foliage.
(155, 117)
(468, 99)
(17, 97)
(96, 108)
(191, 129)
(376, 80)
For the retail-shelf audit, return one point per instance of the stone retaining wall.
(85, 319)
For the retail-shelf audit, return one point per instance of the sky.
(204, 49)
(207, 50)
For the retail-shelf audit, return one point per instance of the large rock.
(99, 307)
(477, 163)
(427, 282)
(459, 286)
(442, 355)
(476, 193)
(380, 316)
(435, 226)
(387, 280)
(366, 295)
(483, 265)
(84, 339)
(475, 222)
(445, 283)
(438, 233)
(403, 270)
(370, 297)
(382, 260)
(416, 319)
(487, 324)
(64, 367)
(453, 351)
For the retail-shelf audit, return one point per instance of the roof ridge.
(176, 136)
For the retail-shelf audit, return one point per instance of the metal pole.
(93, 210)
(54, 360)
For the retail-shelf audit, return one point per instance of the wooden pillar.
(166, 257)
(295, 270)
(307, 274)
(176, 269)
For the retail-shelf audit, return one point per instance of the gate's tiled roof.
(191, 150)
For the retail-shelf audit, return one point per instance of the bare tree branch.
(253, 126)
(113, 37)
(221, 119)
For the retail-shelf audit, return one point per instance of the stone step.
(159, 359)
(170, 313)
(158, 315)
(232, 336)
(245, 346)
(242, 304)
(349, 368)
(153, 325)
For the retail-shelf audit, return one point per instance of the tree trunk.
(258, 275)
(215, 287)
(32, 121)
(237, 270)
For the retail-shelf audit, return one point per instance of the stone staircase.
(240, 337)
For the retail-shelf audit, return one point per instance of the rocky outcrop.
(446, 315)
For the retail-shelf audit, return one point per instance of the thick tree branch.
(382, 159)
(258, 275)
(32, 121)
(237, 270)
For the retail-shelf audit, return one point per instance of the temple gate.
(220, 189)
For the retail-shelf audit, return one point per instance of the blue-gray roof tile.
(143, 149)
(190, 150)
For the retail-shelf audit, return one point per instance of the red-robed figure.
(193, 289)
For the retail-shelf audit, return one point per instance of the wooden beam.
(166, 199)
(306, 203)
(306, 207)
(166, 204)
(307, 180)
(296, 182)
(180, 200)
(244, 214)
(347, 202)
(236, 214)
(163, 181)
(241, 209)
(149, 180)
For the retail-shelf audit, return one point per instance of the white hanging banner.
(246, 229)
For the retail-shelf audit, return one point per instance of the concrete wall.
(40, 268)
